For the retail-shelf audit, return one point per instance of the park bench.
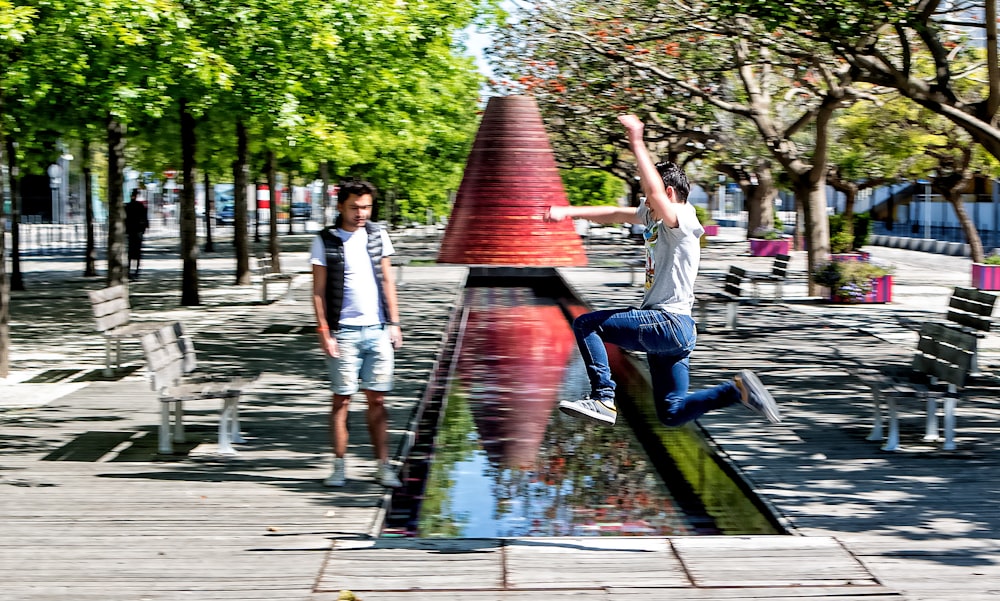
(971, 310)
(172, 365)
(268, 273)
(938, 372)
(777, 276)
(113, 319)
(730, 296)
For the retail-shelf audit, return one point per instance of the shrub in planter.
(986, 275)
(851, 281)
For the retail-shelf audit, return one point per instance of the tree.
(784, 85)
(16, 25)
(884, 43)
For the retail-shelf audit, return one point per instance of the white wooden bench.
(938, 372)
(113, 319)
(777, 276)
(171, 364)
(266, 270)
(730, 296)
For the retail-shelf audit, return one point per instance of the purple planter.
(985, 277)
(769, 248)
(711, 230)
(881, 292)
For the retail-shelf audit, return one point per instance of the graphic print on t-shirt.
(649, 236)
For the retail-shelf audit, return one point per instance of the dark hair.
(673, 176)
(357, 187)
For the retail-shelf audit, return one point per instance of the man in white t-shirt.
(357, 319)
(663, 326)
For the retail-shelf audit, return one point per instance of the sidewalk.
(90, 511)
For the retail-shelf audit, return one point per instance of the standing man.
(136, 222)
(357, 318)
(663, 326)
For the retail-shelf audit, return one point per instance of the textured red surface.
(516, 348)
(510, 179)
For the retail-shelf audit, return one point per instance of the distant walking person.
(354, 296)
(136, 223)
(662, 327)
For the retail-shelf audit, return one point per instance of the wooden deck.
(90, 512)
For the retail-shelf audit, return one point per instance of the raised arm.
(658, 198)
(597, 214)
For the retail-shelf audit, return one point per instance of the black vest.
(334, 250)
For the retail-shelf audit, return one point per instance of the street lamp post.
(927, 209)
(55, 184)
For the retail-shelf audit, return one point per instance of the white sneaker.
(598, 411)
(386, 476)
(339, 475)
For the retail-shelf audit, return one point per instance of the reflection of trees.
(455, 442)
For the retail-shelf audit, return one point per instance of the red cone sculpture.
(510, 179)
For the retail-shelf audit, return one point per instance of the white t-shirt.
(672, 257)
(362, 306)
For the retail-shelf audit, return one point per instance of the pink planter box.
(711, 230)
(985, 277)
(769, 248)
(881, 292)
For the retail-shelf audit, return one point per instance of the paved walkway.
(90, 511)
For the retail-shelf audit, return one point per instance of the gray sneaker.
(339, 475)
(602, 412)
(386, 476)
(756, 397)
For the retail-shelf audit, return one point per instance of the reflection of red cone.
(517, 352)
(510, 179)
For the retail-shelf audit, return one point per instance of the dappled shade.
(510, 179)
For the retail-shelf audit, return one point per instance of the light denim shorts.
(365, 362)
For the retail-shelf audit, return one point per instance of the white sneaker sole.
(769, 409)
(573, 410)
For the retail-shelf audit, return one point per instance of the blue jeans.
(667, 339)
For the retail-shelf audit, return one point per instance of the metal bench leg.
(166, 447)
(399, 274)
(931, 430)
(732, 312)
(179, 435)
(263, 290)
(702, 325)
(234, 422)
(225, 428)
(949, 422)
(779, 290)
(107, 358)
(892, 443)
(876, 433)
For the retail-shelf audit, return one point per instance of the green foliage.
(849, 279)
(766, 233)
(704, 217)
(847, 236)
(591, 187)
(992, 259)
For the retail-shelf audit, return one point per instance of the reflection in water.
(507, 463)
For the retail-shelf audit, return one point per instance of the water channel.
(493, 457)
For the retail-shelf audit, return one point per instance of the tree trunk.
(209, 205)
(90, 253)
(288, 187)
(810, 195)
(324, 174)
(976, 251)
(273, 248)
(4, 296)
(241, 170)
(116, 206)
(189, 219)
(16, 280)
